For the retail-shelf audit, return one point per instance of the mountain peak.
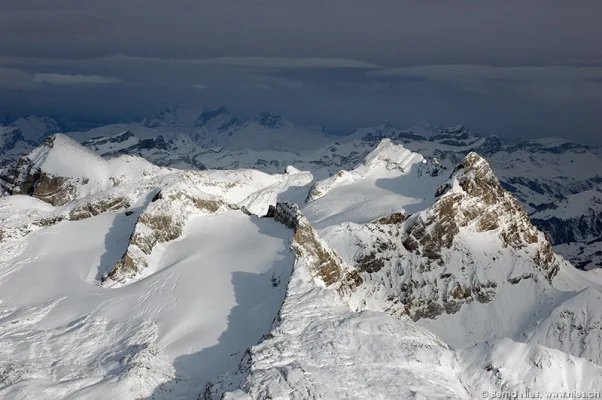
(61, 170)
(391, 155)
(270, 120)
(167, 117)
(474, 200)
(219, 120)
(210, 114)
(36, 128)
(475, 176)
(457, 135)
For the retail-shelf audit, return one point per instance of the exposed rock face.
(392, 219)
(269, 120)
(426, 264)
(95, 143)
(431, 263)
(475, 197)
(578, 229)
(473, 200)
(55, 190)
(575, 223)
(98, 207)
(162, 221)
(26, 178)
(324, 263)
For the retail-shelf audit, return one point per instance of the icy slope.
(390, 179)
(148, 318)
(386, 156)
(528, 371)
(319, 343)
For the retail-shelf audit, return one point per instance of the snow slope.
(390, 179)
(63, 336)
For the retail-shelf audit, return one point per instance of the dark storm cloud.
(511, 67)
(388, 31)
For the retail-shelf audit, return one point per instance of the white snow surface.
(63, 336)
(67, 158)
(391, 179)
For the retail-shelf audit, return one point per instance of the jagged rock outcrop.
(475, 197)
(27, 178)
(324, 263)
(162, 221)
(95, 207)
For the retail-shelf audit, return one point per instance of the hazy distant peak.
(270, 120)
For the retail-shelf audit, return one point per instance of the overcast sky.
(513, 68)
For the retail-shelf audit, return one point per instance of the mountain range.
(557, 181)
(202, 255)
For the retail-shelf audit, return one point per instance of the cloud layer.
(513, 68)
(66, 79)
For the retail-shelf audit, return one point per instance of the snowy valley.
(204, 256)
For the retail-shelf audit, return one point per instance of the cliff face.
(28, 178)
(323, 262)
(474, 199)
(161, 221)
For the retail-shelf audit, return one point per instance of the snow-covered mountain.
(22, 135)
(36, 129)
(543, 174)
(13, 145)
(402, 274)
